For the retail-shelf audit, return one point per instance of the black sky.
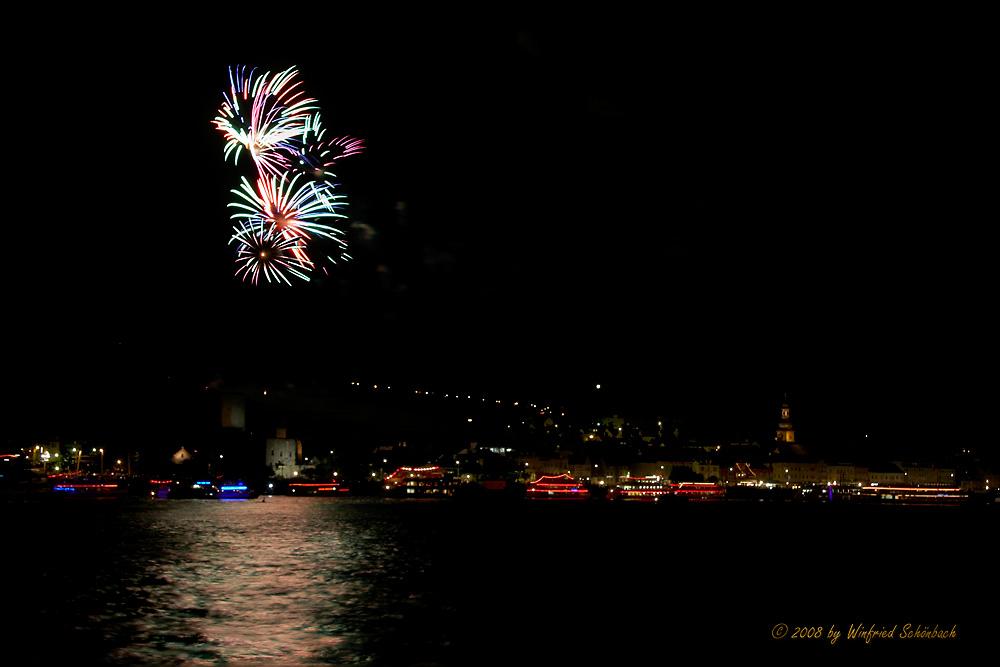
(689, 213)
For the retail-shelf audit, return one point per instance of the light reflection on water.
(298, 581)
(287, 581)
(260, 581)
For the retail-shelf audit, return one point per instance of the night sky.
(700, 216)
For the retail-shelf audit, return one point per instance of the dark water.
(299, 581)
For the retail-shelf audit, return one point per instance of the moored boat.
(425, 482)
(235, 490)
(89, 489)
(698, 491)
(557, 487)
(759, 493)
(202, 489)
(187, 490)
(912, 495)
(646, 489)
(327, 489)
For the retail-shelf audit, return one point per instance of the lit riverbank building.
(785, 438)
(785, 431)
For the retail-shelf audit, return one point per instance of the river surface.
(303, 581)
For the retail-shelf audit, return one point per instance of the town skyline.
(358, 417)
(530, 215)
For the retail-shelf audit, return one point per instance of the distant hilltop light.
(598, 386)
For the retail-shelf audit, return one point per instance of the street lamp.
(102, 462)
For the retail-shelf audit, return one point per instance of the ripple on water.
(299, 581)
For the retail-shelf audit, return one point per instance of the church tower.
(785, 431)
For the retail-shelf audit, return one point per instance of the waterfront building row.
(788, 473)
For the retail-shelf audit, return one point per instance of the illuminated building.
(790, 464)
(846, 474)
(785, 431)
(614, 424)
(282, 455)
(785, 442)
(579, 467)
(885, 474)
(796, 472)
(744, 473)
(665, 468)
(181, 456)
(926, 474)
(609, 469)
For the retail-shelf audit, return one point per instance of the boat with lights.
(234, 490)
(557, 487)
(419, 482)
(74, 485)
(324, 489)
(201, 489)
(912, 495)
(656, 489)
(699, 491)
(643, 489)
(89, 489)
(685, 492)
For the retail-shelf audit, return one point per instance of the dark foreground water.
(300, 581)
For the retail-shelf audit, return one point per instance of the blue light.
(233, 488)
(203, 483)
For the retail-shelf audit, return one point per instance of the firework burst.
(314, 154)
(264, 251)
(264, 115)
(288, 216)
(290, 208)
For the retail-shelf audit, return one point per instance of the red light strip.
(562, 476)
(908, 488)
(394, 476)
(551, 488)
(544, 491)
